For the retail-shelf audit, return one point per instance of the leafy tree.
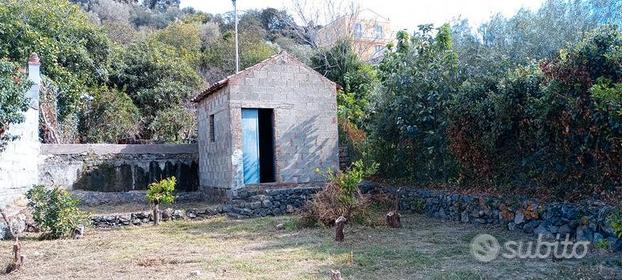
(358, 79)
(185, 38)
(220, 55)
(160, 192)
(74, 52)
(174, 125)
(154, 76)
(111, 118)
(418, 79)
(13, 87)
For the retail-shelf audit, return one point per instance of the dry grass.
(220, 248)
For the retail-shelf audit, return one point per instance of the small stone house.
(272, 123)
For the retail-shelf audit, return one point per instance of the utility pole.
(237, 48)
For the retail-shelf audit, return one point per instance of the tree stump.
(156, 214)
(340, 223)
(335, 275)
(393, 219)
(18, 259)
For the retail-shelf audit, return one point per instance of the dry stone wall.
(588, 220)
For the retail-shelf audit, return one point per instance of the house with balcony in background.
(368, 31)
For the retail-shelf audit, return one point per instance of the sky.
(404, 14)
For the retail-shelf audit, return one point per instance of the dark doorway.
(266, 146)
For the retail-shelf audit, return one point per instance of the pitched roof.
(280, 56)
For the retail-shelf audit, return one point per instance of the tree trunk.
(18, 259)
(393, 219)
(156, 214)
(16, 249)
(340, 223)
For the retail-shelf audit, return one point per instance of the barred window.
(212, 133)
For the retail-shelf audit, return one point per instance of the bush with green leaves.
(358, 79)
(418, 78)
(340, 196)
(112, 117)
(55, 211)
(74, 51)
(174, 125)
(13, 87)
(160, 192)
(154, 76)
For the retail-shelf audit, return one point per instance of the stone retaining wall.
(118, 168)
(255, 202)
(584, 221)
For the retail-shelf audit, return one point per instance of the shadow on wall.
(301, 152)
(126, 175)
(119, 168)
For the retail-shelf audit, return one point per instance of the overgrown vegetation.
(55, 211)
(341, 197)
(158, 193)
(516, 107)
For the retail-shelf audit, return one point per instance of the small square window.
(212, 133)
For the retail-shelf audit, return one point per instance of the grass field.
(221, 248)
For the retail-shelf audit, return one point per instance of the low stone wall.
(118, 168)
(259, 202)
(583, 221)
(146, 217)
(249, 202)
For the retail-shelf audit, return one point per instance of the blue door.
(250, 145)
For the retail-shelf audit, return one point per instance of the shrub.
(112, 118)
(55, 211)
(173, 125)
(340, 197)
(160, 192)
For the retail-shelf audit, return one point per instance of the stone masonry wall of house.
(215, 156)
(118, 168)
(305, 118)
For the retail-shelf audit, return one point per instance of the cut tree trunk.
(18, 259)
(156, 214)
(340, 223)
(393, 219)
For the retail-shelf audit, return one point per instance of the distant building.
(368, 31)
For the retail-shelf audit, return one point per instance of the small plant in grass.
(160, 192)
(55, 211)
